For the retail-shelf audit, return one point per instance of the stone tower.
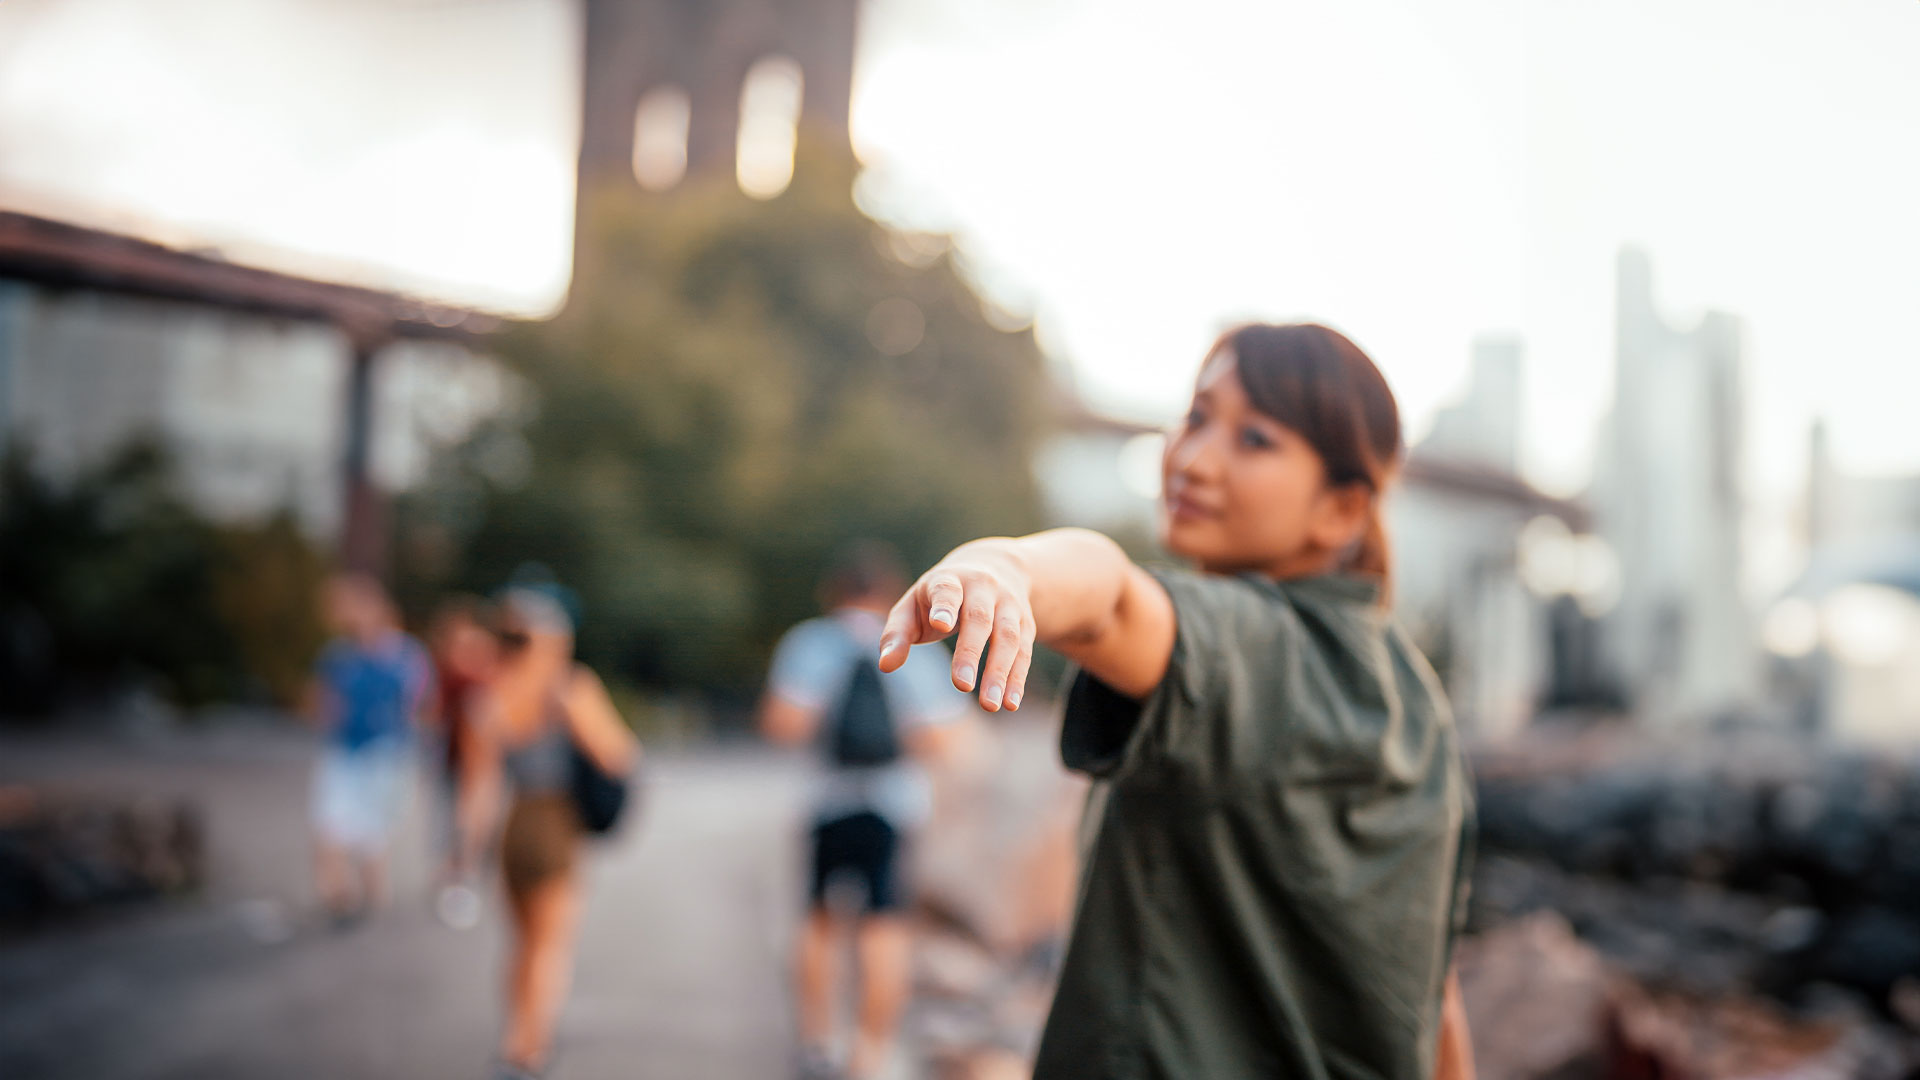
(705, 48)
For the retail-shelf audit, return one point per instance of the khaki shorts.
(540, 840)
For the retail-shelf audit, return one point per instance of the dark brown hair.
(861, 570)
(1314, 380)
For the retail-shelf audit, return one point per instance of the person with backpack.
(869, 795)
(547, 733)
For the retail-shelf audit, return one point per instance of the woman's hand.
(983, 591)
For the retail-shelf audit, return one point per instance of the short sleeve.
(1103, 732)
(809, 665)
(419, 674)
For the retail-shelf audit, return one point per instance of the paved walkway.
(682, 968)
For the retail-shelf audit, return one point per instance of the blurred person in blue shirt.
(370, 685)
(869, 794)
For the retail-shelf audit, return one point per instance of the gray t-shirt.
(813, 667)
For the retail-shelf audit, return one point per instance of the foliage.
(266, 580)
(111, 580)
(713, 414)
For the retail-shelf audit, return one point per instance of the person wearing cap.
(541, 708)
(866, 806)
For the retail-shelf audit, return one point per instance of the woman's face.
(469, 649)
(352, 607)
(520, 640)
(1242, 491)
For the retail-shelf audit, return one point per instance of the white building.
(1480, 556)
(1845, 639)
(1100, 472)
(1483, 426)
(1667, 498)
(1461, 587)
(1844, 507)
(247, 377)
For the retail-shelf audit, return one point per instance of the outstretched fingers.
(993, 632)
(944, 595)
(926, 613)
(903, 629)
(1017, 678)
(1009, 640)
(976, 626)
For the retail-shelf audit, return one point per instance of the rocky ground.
(1732, 907)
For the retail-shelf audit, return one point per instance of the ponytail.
(1372, 554)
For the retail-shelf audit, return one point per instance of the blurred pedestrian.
(1280, 829)
(465, 654)
(370, 684)
(543, 718)
(825, 690)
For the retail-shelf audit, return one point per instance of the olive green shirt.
(1276, 844)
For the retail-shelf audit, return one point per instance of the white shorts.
(357, 794)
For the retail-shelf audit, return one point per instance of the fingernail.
(966, 675)
(943, 616)
(886, 646)
(992, 700)
(1013, 700)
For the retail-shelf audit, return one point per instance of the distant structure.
(704, 49)
(274, 392)
(1844, 639)
(1459, 586)
(1457, 520)
(1844, 508)
(270, 392)
(1099, 471)
(1483, 426)
(1667, 498)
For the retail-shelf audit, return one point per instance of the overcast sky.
(1137, 174)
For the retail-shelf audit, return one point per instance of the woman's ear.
(1340, 516)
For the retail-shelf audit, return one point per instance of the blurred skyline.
(1134, 176)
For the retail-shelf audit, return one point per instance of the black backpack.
(598, 795)
(862, 733)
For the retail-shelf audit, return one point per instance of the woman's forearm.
(597, 726)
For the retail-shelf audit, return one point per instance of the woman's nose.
(1194, 455)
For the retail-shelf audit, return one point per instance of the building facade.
(1667, 497)
(269, 393)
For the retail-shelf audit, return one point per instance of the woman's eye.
(1255, 439)
(1195, 418)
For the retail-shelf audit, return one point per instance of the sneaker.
(816, 1065)
(345, 919)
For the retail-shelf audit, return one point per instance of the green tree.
(735, 388)
(112, 580)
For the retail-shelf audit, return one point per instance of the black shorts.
(861, 848)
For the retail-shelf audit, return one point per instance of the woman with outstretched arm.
(1280, 823)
